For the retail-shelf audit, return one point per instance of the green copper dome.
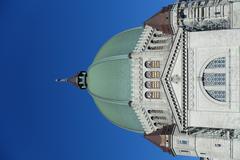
(109, 80)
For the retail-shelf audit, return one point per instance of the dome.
(109, 80)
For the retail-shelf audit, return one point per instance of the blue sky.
(42, 40)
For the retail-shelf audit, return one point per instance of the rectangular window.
(185, 142)
(184, 151)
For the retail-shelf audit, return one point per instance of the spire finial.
(61, 80)
(79, 80)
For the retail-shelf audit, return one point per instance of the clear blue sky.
(46, 39)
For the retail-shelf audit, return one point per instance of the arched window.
(155, 111)
(152, 84)
(157, 118)
(152, 74)
(214, 79)
(217, 63)
(152, 95)
(152, 64)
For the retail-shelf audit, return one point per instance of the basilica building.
(175, 79)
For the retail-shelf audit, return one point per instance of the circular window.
(214, 79)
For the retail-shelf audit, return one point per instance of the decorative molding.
(166, 79)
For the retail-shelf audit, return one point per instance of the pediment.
(174, 79)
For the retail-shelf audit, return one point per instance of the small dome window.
(152, 74)
(157, 118)
(152, 64)
(152, 84)
(152, 95)
(155, 111)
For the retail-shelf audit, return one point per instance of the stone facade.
(195, 86)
